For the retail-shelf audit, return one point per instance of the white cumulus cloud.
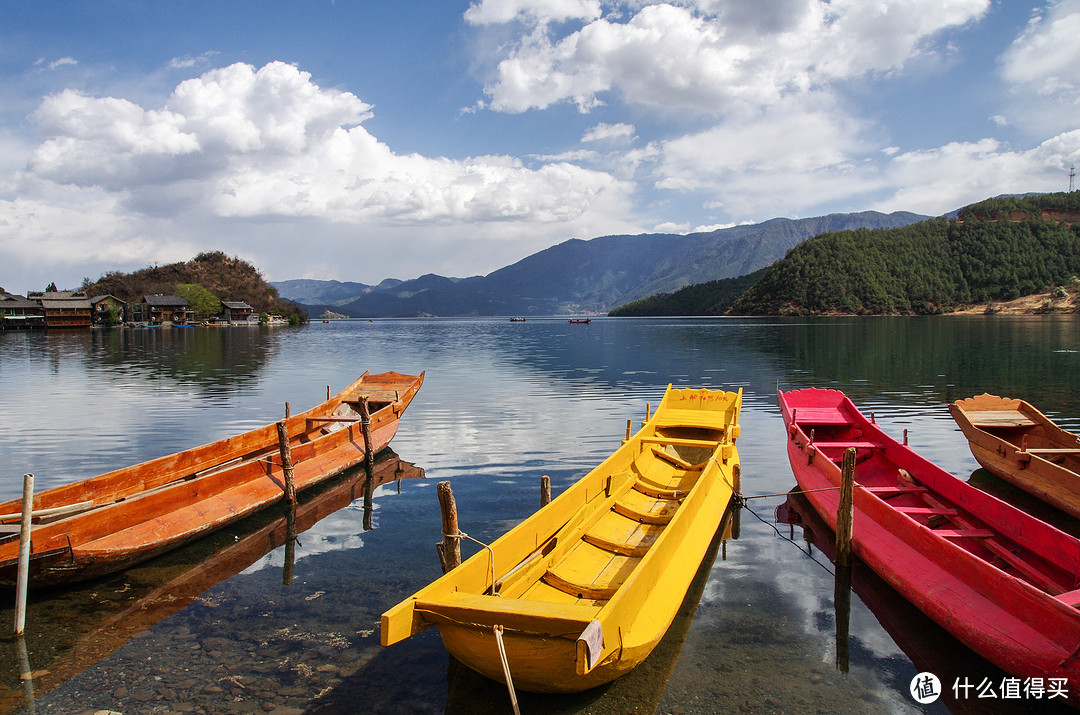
(706, 56)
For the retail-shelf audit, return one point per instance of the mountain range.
(585, 276)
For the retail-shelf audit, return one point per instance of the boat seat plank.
(999, 418)
(680, 442)
(581, 590)
(844, 445)
(1053, 450)
(560, 619)
(1070, 598)
(658, 492)
(965, 533)
(887, 492)
(925, 511)
(692, 418)
(820, 416)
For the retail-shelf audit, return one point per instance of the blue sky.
(366, 140)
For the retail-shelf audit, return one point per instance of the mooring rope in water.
(506, 669)
(789, 540)
(793, 491)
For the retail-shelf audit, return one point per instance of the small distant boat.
(580, 320)
(109, 522)
(517, 320)
(581, 591)
(1004, 583)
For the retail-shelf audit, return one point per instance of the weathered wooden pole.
(845, 514)
(286, 462)
(450, 547)
(327, 392)
(628, 426)
(365, 429)
(290, 546)
(23, 576)
(842, 604)
(369, 486)
(287, 410)
(545, 490)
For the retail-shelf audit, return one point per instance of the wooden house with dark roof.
(102, 305)
(63, 308)
(18, 313)
(236, 311)
(159, 309)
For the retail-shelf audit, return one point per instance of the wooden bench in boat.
(819, 416)
(999, 418)
(679, 442)
(844, 445)
(560, 619)
(886, 492)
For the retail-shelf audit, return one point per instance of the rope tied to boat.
(491, 553)
(506, 668)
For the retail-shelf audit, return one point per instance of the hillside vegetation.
(996, 250)
(712, 298)
(204, 282)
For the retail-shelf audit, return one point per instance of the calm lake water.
(212, 628)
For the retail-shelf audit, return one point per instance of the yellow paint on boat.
(586, 587)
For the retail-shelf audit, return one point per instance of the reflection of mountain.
(637, 691)
(73, 629)
(930, 647)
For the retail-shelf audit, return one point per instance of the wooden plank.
(999, 418)
(925, 511)
(1053, 451)
(965, 533)
(515, 614)
(845, 445)
(820, 416)
(53, 512)
(680, 442)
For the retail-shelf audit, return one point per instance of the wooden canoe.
(1002, 582)
(585, 587)
(1016, 442)
(106, 523)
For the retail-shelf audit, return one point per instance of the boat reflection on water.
(931, 648)
(69, 630)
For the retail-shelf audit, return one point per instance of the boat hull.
(588, 585)
(1019, 627)
(134, 514)
(1018, 443)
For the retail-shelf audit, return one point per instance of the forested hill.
(203, 282)
(996, 250)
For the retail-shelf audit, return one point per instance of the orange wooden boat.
(1016, 442)
(109, 522)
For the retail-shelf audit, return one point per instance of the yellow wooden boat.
(581, 591)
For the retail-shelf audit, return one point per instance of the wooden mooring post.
(845, 514)
(22, 582)
(845, 522)
(545, 490)
(450, 547)
(365, 429)
(286, 462)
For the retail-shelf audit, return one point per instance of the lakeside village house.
(74, 309)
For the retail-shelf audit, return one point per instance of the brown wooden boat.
(1016, 442)
(185, 574)
(106, 523)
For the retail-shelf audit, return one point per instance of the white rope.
(506, 669)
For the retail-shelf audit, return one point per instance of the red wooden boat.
(1002, 582)
(109, 522)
